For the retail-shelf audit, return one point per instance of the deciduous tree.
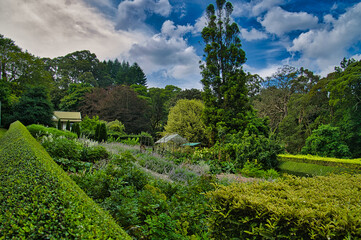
(185, 118)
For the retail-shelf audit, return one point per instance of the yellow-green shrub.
(38, 200)
(291, 208)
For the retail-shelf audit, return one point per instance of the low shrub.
(38, 131)
(289, 208)
(94, 153)
(254, 169)
(73, 166)
(38, 200)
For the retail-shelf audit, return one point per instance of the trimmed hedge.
(317, 164)
(37, 130)
(2, 131)
(291, 208)
(38, 200)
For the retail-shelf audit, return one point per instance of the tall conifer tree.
(224, 81)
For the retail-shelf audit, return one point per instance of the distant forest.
(296, 104)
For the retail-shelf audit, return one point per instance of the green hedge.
(37, 130)
(314, 165)
(38, 200)
(2, 131)
(291, 208)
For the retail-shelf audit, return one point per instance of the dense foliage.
(292, 208)
(33, 107)
(299, 102)
(38, 200)
(147, 207)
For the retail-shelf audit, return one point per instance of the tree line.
(294, 107)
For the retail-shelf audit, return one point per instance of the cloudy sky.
(163, 36)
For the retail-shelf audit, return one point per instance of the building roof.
(191, 144)
(65, 116)
(175, 138)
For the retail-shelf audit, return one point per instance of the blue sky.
(163, 36)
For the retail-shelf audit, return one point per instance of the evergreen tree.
(76, 128)
(97, 131)
(67, 125)
(102, 137)
(60, 125)
(224, 81)
(34, 107)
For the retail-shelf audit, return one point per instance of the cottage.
(64, 117)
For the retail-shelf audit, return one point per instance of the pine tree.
(60, 125)
(102, 133)
(76, 129)
(97, 131)
(224, 81)
(67, 125)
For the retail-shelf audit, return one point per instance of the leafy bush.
(116, 126)
(73, 166)
(241, 149)
(296, 208)
(61, 147)
(38, 200)
(88, 126)
(254, 169)
(326, 141)
(38, 131)
(130, 141)
(94, 153)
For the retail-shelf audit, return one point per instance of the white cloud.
(279, 21)
(253, 34)
(327, 47)
(51, 28)
(132, 14)
(200, 24)
(263, 72)
(168, 53)
(170, 30)
(265, 5)
(254, 8)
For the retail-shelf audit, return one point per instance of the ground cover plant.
(38, 200)
(291, 208)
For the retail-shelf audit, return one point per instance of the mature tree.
(224, 81)
(185, 118)
(8, 49)
(273, 100)
(120, 102)
(75, 96)
(345, 99)
(124, 73)
(34, 107)
(186, 94)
